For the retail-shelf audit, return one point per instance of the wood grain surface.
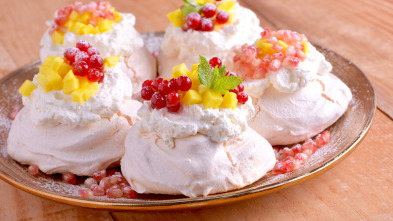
(359, 188)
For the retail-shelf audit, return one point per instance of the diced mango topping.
(180, 70)
(226, 5)
(192, 97)
(176, 17)
(26, 88)
(267, 48)
(202, 88)
(111, 61)
(211, 99)
(70, 83)
(229, 100)
(195, 83)
(79, 95)
(283, 44)
(58, 37)
(306, 49)
(105, 25)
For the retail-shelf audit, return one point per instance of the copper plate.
(347, 132)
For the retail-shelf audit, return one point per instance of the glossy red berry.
(222, 17)
(83, 45)
(163, 87)
(80, 68)
(230, 74)
(236, 90)
(102, 76)
(209, 10)
(184, 83)
(96, 61)
(147, 83)
(215, 61)
(147, 92)
(240, 87)
(172, 99)
(242, 97)
(61, 20)
(82, 56)
(93, 75)
(172, 84)
(206, 25)
(174, 108)
(156, 82)
(158, 101)
(70, 54)
(193, 20)
(91, 51)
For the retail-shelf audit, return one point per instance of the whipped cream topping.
(287, 118)
(54, 107)
(290, 79)
(185, 47)
(197, 166)
(81, 150)
(218, 124)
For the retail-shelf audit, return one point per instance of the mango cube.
(79, 96)
(87, 29)
(44, 83)
(95, 30)
(111, 61)
(118, 17)
(211, 99)
(194, 67)
(258, 44)
(176, 17)
(89, 93)
(202, 88)
(63, 69)
(230, 19)
(230, 100)
(44, 69)
(74, 16)
(266, 48)
(105, 25)
(191, 97)
(58, 37)
(180, 70)
(195, 83)
(209, 1)
(84, 18)
(55, 80)
(56, 63)
(70, 83)
(306, 49)
(48, 60)
(283, 44)
(200, 1)
(78, 28)
(26, 88)
(70, 25)
(226, 5)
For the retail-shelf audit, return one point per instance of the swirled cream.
(179, 46)
(218, 125)
(122, 40)
(54, 107)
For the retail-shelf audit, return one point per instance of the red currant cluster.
(242, 97)
(86, 61)
(163, 93)
(204, 20)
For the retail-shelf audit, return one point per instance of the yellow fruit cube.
(56, 63)
(191, 97)
(105, 25)
(26, 88)
(78, 28)
(48, 60)
(63, 69)
(118, 17)
(195, 83)
(193, 74)
(226, 5)
(70, 25)
(180, 70)
(44, 83)
(230, 19)
(202, 88)
(74, 16)
(230, 100)
(201, 2)
(87, 29)
(83, 82)
(112, 61)
(258, 44)
(176, 17)
(266, 48)
(58, 37)
(79, 96)
(194, 67)
(211, 99)
(44, 69)
(94, 85)
(55, 80)
(306, 48)
(209, 1)
(70, 83)
(89, 93)
(84, 18)
(95, 30)
(283, 44)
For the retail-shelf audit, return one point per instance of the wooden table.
(359, 188)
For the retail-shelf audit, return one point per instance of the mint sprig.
(216, 79)
(189, 7)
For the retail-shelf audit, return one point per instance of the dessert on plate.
(205, 27)
(193, 138)
(72, 120)
(294, 92)
(112, 33)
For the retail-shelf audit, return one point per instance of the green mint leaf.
(190, 2)
(205, 73)
(222, 71)
(226, 83)
(189, 7)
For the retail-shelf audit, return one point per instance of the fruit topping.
(93, 18)
(274, 50)
(208, 83)
(202, 15)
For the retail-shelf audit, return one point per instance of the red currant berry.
(101, 77)
(147, 83)
(80, 68)
(230, 74)
(91, 51)
(185, 27)
(69, 54)
(156, 82)
(222, 17)
(174, 108)
(172, 99)
(158, 101)
(163, 87)
(147, 92)
(173, 85)
(209, 10)
(61, 20)
(93, 75)
(242, 97)
(184, 83)
(82, 56)
(240, 87)
(96, 61)
(236, 90)
(193, 20)
(215, 61)
(206, 25)
(83, 45)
